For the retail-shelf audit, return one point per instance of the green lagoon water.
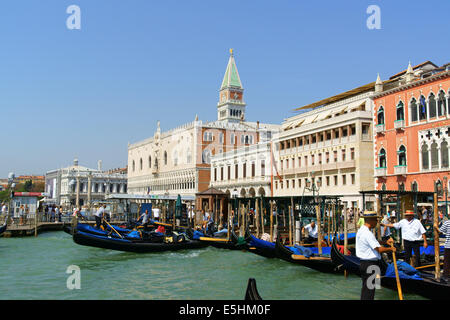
(35, 268)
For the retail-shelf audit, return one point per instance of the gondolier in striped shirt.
(445, 229)
(368, 250)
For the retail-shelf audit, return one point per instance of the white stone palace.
(93, 184)
(178, 161)
(332, 141)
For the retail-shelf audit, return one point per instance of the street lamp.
(12, 186)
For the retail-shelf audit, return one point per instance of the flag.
(274, 165)
(148, 190)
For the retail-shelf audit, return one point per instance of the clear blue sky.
(87, 93)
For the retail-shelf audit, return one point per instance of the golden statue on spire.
(231, 51)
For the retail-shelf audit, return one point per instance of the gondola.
(425, 286)
(350, 238)
(252, 294)
(3, 228)
(135, 245)
(260, 247)
(320, 263)
(234, 243)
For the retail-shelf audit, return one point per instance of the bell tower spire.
(231, 106)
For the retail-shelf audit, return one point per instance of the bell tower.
(231, 105)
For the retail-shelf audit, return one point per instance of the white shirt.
(411, 230)
(99, 212)
(311, 231)
(145, 217)
(155, 213)
(366, 244)
(4, 209)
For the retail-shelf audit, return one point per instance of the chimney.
(99, 165)
(75, 162)
(378, 84)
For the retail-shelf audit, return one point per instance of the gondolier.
(99, 215)
(368, 250)
(445, 229)
(413, 233)
(312, 232)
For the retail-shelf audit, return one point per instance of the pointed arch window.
(432, 105)
(444, 154)
(380, 115)
(441, 104)
(422, 108)
(413, 109)
(434, 155)
(401, 156)
(140, 164)
(414, 187)
(134, 166)
(400, 111)
(165, 158)
(382, 158)
(425, 158)
(149, 161)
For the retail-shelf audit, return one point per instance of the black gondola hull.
(85, 239)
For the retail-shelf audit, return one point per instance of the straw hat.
(370, 214)
(409, 213)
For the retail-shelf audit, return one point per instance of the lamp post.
(312, 186)
(446, 194)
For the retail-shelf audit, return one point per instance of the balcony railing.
(399, 124)
(400, 169)
(380, 172)
(379, 128)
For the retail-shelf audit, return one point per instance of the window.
(344, 179)
(253, 169)
(400, 111)
(432, 105)
(444, 154)
(215, 174)
(299, 183)
(402, 156)
(328, 181)
(233, 139)
(434, 156)
(140, 164)
(320, 158)
(413, 110)
(293, 183)
(229, 172)
(306, 161)
(133, 166)
(312, 160)
(221, 137)
(422, 108)
(380, 115)
(327, 157)
(263, 168)
(221, 174)
(335, 180)
(382, 158)
(414, 186)
(299, 162)
(353, 178)
(343, 154)
(236, 171)
(425, 159)
(441, 104)
(244, 170)
(335, 155)
(165, 157)
(287, 184)
(149, 161)
(352, 153)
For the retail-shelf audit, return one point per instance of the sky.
(86, 93)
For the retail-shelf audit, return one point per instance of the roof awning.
(310, 119)
(324, 115)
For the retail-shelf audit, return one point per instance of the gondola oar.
(399, 287)
(113, 228)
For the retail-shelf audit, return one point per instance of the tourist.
(99, 216)
(386, 231)
(20, 215)
(368, 250)
(312, 232)
(57, 214)
(25, 214)
(424, 215)
(52, 214)
(360, 222)
(413, 233)
(155, 214)
(445, 229)
(60, 214)
(4, 211)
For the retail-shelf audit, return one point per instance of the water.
(35, 268)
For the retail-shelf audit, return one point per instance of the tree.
(28, 185)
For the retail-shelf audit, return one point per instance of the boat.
(129, 244)
(350, 238)
(217, 241)
(252, 294)
(260, 247)
(294, 254)
(422, 283)
(3, 228)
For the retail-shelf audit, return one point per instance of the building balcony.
(400, 169)
(399, 124)
(379, 128)
(380, 172)
(329, 166)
